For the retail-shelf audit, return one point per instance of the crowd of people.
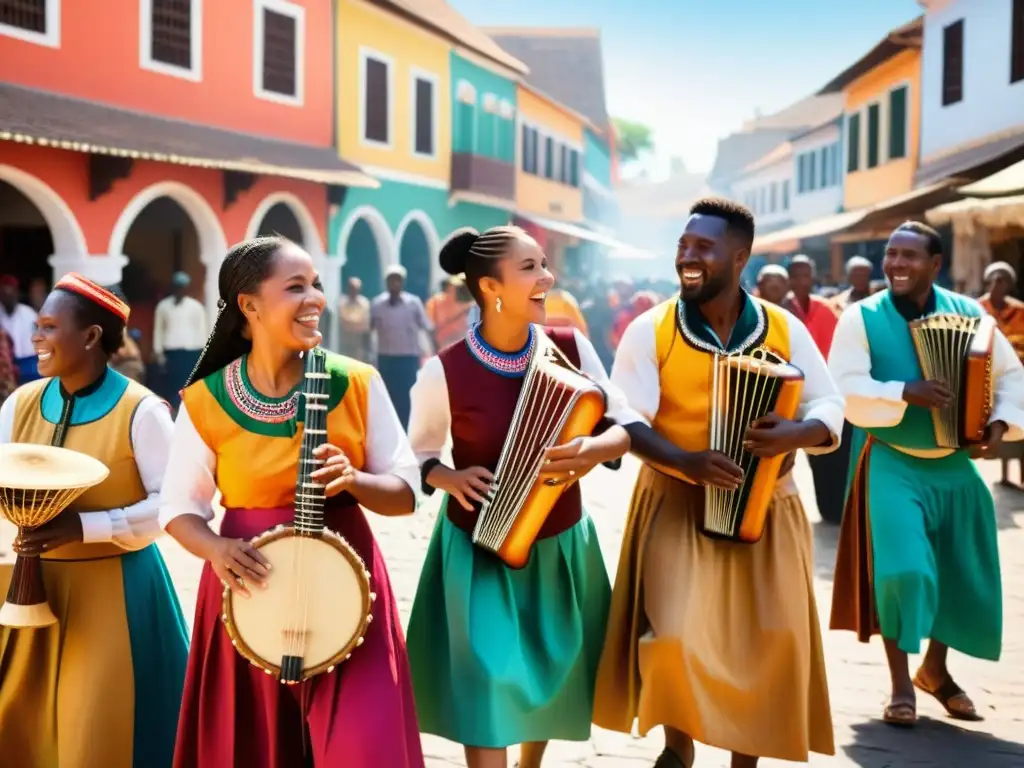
(695, 634)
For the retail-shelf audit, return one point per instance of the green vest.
(893, 358)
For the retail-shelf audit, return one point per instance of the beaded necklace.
(502, 363)
(254, 405)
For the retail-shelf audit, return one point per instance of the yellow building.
(550, 158)
(882, 94)
(394, 96)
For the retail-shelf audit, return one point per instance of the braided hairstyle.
(244, 268)
(477, 254)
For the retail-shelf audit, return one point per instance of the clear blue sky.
(693, 71)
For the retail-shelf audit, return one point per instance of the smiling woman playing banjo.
(266, 411)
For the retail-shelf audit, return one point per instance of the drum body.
(316, 607)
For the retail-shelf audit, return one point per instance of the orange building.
(139, 137)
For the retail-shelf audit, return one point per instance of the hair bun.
(455, 251)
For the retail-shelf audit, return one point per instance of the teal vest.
(893, 358)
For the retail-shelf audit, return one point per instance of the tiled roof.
(74, 124)
(565, 64)
(439, 16)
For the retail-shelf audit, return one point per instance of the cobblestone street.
(857, 673)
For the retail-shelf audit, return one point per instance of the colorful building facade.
(185, 136)
(426, 104)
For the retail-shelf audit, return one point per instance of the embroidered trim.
(514, 364)
(253, 405)
(694, 341)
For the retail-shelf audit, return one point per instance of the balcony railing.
(483, 175)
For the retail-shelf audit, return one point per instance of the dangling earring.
(497, 305)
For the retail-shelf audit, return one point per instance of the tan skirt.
(727, 637)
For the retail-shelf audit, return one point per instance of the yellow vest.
(108, 439)
(684, 374)
(259, 471)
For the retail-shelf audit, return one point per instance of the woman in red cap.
(103, 686)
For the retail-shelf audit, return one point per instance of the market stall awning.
(62, 122)
(619, 249)
(789, 239)
(990, 211)
(1008, 181)
(878, 219)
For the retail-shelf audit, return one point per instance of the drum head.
(26, 466)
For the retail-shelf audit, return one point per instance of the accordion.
(556, 405)
(957, 351)
(744, 388)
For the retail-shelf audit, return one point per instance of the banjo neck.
(308, 519)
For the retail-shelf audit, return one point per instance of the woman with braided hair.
(502, 657)
(237, 432)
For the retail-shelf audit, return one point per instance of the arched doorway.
(161, 240)
(417, 242)
(26, 244)
(279, 220)
(363, 259)
(365, 244)
(37, 229)
(414, 255)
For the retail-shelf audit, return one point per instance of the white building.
(972, 87)
(818, 171)
(766, 188)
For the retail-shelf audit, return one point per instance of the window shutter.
(898, 123)
(853, 144)
(376, 90)
(424, 117)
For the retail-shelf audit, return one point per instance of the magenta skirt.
(361, 715)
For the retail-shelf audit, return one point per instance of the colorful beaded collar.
(269, 410)
(502, 363)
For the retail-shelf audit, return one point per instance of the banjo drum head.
(26, 466)
(316, 604)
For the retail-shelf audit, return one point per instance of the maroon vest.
(482, 404)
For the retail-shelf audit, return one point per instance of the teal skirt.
(935, 551)
(502, 656)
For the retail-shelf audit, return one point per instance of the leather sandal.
(951, 696)
(900, 713)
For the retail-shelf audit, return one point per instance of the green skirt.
(500, 656)
(935, 552)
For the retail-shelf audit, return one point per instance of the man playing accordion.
(717, 640)
(917, 555)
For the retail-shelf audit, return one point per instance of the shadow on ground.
(931, 743)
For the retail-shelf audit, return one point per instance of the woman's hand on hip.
(238, 563)
(337, 472)
(464, 485)
(66, 528)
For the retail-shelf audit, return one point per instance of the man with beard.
(715, 640)
(917, 555)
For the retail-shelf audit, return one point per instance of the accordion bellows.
(957, 350)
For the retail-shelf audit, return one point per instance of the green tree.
(633, 139)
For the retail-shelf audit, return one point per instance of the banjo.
(317, 605)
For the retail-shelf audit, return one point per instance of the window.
(874, 126)
(837, 162)
(549, 158)
(563, 165)
(1017, 42)
(812, 171)
(853, 143)
(574, 168)
(773, 204)
(171, 37)
(785, 195)
(424, 88)
(898, 123)
(465, 118)
(376, 98)
(35, 21)
(953, 63)
(279, 51)
(824, 169)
